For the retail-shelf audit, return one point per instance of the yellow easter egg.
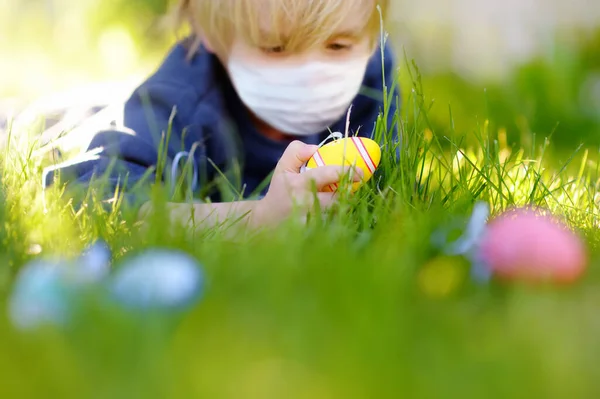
(442, 276)
(352, 151)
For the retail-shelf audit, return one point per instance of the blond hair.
(295, 24)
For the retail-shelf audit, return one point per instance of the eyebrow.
(349, 34)
(263, 34)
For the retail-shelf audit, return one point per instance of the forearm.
(225, 214)
(210, 215)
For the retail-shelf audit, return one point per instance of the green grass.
(358, 303)
(553, 93)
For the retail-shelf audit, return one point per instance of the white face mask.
(299, 99)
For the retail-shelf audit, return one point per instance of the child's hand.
(289, 188)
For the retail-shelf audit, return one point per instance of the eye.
(337, 46)
(273, 50)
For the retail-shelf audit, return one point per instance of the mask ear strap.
(334, 135)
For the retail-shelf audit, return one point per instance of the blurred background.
(530, 66)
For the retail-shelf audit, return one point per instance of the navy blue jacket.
(195, 103)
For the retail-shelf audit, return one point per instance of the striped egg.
(358, 151)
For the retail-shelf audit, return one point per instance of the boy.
(260, 83)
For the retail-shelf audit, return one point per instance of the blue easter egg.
(39, 297)
(158, 280)
(94, 263)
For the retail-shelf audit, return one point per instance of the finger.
(295, 155)
(326, 200)
(356, 174)
(323, 176)
(322, 201)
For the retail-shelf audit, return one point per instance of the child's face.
(348, 42)
(301, 92)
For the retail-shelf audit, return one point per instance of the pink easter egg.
(526, 244)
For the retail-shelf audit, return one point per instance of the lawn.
(360, 302)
